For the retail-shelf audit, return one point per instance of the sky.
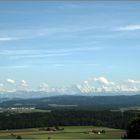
(83, 46)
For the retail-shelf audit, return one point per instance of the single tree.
(18, 137)
(133, 129)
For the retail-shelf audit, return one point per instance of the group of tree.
(133, 129)
(65, 118)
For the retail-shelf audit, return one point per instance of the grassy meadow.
(70, 132)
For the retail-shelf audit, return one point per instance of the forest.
(113, 119)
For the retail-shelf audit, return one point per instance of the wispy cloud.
(128, 28)
(41, 55)
(33, 51)
(8, 38)
(47, 53)
(15, 66)
(34, 32)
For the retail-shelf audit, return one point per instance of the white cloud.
(106, 89)
(102, 84)
(99, 84)
(12, 85)
(86, 88)
(128, 88)
(104, 81)
(44, 87)
(24, 83)
(128, 28)
(91, 86)
(10, 81)
(133, 81)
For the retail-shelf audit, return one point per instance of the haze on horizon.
(70, 46)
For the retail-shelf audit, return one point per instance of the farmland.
(21, 110)
(69, 132)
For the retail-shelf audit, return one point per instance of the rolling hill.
(75, 102)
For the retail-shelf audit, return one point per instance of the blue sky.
(66, 43)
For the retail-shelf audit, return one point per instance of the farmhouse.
(52, 129)
(96, 132)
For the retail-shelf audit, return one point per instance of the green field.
(70, 132)
(22, 110)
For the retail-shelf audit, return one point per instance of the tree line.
(65, 118)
